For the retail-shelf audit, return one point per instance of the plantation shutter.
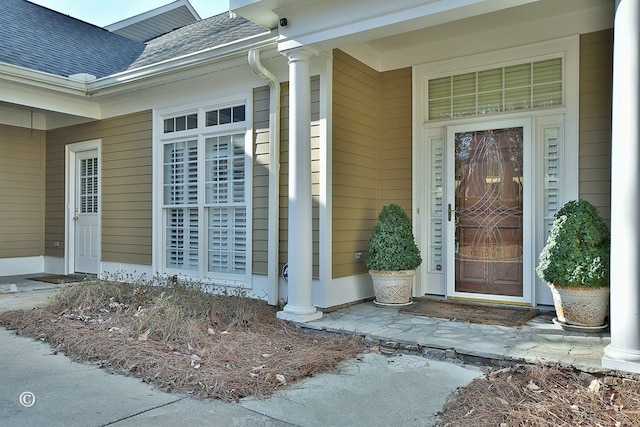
(436, 210)
(182, 238)
(551, 136)
(225, 188)
(89, 185)
(515, 87)
(181, 191)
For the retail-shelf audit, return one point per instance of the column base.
(620, 365)
(621, 359)
(299, 315)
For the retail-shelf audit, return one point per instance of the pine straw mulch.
(179, 338)
(539, 395)
(228, 346)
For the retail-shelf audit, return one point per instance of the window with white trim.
(524, 86)
(206, 194)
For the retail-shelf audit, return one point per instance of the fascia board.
(43, 98)
(26, 76)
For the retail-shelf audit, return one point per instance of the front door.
(486, 213)
(85, 212)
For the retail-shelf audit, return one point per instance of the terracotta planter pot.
(581, 306)
(392, 288)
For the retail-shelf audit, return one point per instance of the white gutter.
(111, 83)
(42, 80)
(273, 273)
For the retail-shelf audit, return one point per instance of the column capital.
(302, 53)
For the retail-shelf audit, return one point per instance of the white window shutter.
(180, 173)
(182, 238)
(227, 243)
(225, 198)
(89, 185)
(551, 136)
(515, 87)
(436, 232)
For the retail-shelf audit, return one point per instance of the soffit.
(156, 25)
(507, 17)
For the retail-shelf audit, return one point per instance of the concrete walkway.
(40, 388)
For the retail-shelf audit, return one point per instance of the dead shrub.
(180, 338)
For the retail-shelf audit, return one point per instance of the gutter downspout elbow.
(274, 173)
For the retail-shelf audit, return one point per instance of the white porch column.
(300, 252)
(624, 351)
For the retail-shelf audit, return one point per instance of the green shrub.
(391, 245)
(577, 249)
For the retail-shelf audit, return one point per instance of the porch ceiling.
(506, 17)
(557, 19)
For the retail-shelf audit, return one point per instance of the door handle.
(450, 211)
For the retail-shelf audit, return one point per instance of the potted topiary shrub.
(575, 265)
(393, 257)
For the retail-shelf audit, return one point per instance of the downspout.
(274, 173)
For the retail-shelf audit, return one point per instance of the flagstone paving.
(539, 341)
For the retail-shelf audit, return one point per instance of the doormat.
(470, 312)
(59, 278)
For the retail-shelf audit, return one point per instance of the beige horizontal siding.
(260, 180)
(395, 139)
(356, 122)
(371, 153)
(596, 65)
(126, 185)
(22, 192)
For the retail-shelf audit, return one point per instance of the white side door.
(86, 212)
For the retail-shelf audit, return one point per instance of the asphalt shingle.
(208, 33)
(38, 38)
(41, 39)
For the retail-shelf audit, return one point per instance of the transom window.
(535, 84)
(180, 123)
(225, 116)
(205, 200)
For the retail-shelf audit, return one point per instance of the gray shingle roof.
(41, 39)
(38, 38)
(211, 32)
